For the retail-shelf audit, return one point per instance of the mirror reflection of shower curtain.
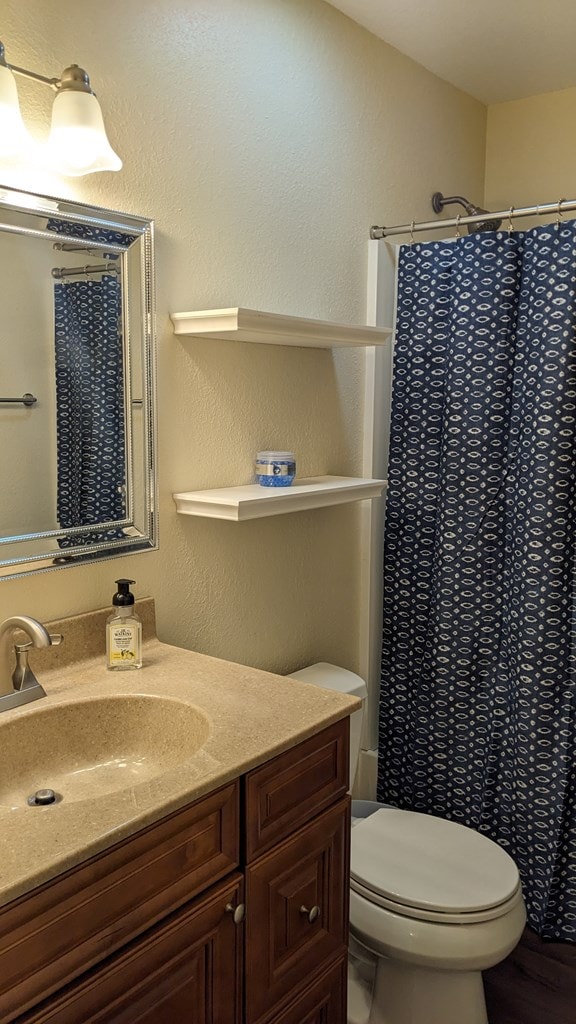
(89, 406)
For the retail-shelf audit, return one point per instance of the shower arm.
(563, 206)
(439, 202)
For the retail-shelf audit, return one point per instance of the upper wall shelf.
(237, 324)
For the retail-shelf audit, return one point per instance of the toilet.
(432, 904)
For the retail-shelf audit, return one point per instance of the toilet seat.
(431, 869)
(439, 916)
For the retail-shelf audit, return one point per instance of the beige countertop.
(250, 716)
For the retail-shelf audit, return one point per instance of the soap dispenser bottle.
(123, 631)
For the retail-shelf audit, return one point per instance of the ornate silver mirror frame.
(77, 384)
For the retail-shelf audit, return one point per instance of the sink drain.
(43, 797)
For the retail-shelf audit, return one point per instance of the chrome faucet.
(20, 686)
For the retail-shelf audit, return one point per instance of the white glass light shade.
(14, 139)
(78, 143)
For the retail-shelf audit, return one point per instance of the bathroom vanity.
(216, 891)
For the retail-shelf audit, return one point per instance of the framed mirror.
(77, 387)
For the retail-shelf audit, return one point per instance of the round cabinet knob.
(312, 914)
(238, 912)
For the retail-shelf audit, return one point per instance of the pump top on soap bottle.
(123, 631)
(124, 595)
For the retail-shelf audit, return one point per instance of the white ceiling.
(496, 50)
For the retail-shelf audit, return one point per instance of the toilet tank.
(332, 677)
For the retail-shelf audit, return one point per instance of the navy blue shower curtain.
(477, 711)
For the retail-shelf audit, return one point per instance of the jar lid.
(267, 456)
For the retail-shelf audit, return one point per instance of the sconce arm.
(54, 83)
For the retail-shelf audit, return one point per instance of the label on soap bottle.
(123, 644)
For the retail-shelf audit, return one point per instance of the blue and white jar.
(275, 469)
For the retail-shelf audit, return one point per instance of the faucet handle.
(55, 639)
(22, 648)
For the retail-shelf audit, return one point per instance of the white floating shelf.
(237, 324)
(252, 501)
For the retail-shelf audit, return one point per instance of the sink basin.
(88, 748)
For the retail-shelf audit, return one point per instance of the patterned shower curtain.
(477, 711)
(89, 407)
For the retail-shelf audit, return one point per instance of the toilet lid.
(421, 861)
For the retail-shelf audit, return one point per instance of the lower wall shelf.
(252, 501)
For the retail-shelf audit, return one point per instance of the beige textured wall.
(531, 151)
(264, 138)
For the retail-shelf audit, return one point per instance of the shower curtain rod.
(563, 206)
(94, 268)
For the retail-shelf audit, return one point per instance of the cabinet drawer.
(186, 970)
(323, 1003)
(288, 791)
(286, 945)
(66, 926)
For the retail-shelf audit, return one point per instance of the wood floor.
(536, 984)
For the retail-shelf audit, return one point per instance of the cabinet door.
(185, 971)
(297, 912)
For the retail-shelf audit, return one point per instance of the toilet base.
(405, 994)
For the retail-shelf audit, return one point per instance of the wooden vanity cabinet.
(147, 933)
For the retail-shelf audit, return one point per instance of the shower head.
(490, 224)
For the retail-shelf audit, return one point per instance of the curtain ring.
(411, 242)
(510, 212)
(559, 217)
(458, 225)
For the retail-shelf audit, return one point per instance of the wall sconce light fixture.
(77, 143)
